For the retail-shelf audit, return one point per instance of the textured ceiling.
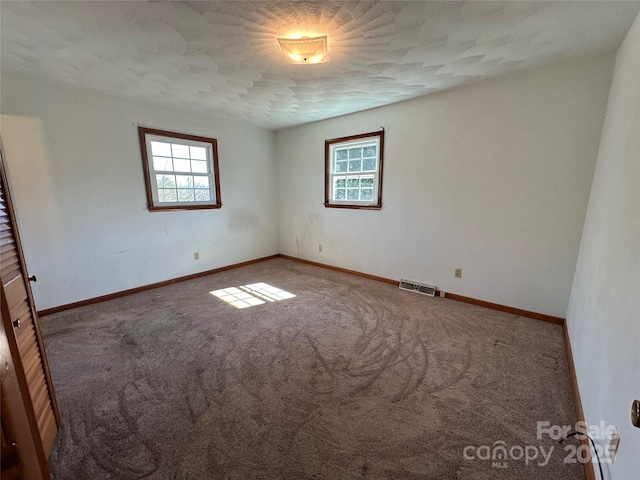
(223, 57)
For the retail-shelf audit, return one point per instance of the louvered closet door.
(19, 305)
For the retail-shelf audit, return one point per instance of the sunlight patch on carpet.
(251, 295)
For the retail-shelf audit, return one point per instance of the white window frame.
(147, 136)
(332, 175)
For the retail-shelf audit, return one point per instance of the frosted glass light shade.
(305, 49)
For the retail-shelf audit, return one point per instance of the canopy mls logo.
(500, 452)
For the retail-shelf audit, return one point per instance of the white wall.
(492, 178)
(76, 175)
(604, 312)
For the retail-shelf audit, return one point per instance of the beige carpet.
(349, 379)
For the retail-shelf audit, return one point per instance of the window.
(353, 171)
(181, 171)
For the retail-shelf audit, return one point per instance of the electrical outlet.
(614, 442)
(442, 294)
(457, 273)
(320, 247)
(196, 255)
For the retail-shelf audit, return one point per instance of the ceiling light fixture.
(305, 49)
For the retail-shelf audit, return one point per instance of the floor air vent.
(418, 287)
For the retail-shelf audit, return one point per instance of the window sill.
(352, 206)
(183, 207)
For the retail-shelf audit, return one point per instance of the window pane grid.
(353, 171)
(164, 150)
(355, 188)
(182, 188)
(182, 172)
(354, 159)
(362, 158)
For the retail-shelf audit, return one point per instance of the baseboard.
(131, 291)
(340, 269)
(588, 465)
(451, 296)
(507, 309)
